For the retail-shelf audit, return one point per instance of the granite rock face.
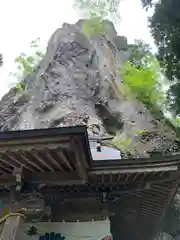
(79, 82)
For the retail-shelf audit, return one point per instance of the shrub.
(143, 84)
(26, 64)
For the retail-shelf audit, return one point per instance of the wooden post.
(11, 228)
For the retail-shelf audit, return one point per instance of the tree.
(139, 52)
(101, 8)
(95, 12)
(147, 3)
(26, 64)
(1, 60)
(143, 75)
(165, 29)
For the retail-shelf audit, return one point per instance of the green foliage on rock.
(93, 27)
(142, 77)
(143, 84)
(26, 64)
(123, 144)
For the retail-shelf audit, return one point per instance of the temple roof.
(58, 162)
(45, 152)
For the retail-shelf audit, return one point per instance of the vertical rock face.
(68, 85)
(79, 82)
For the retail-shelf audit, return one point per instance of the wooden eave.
(63, 150)
(149, 186)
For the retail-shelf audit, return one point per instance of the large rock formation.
(78, 82)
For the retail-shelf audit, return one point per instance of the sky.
(22, 21)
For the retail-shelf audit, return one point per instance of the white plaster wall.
(72, 231)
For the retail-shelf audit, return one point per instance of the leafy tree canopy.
(26, 64)
(100, 8)
(96, 11)
(142, 75)
(139, 53)
(165, 29)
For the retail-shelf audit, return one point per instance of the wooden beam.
(52, 178)
(36, 155)
(81, 170)
(87, 192)
(74, 178)
(13, 160)
(49, 155)
(59, 178)
(12, 228)
(104, 170)
(168, 176)
(81, 164)
(35, 140)
(29, 146)
(23, 155)
(63, 159)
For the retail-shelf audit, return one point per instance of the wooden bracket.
(81, 164)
